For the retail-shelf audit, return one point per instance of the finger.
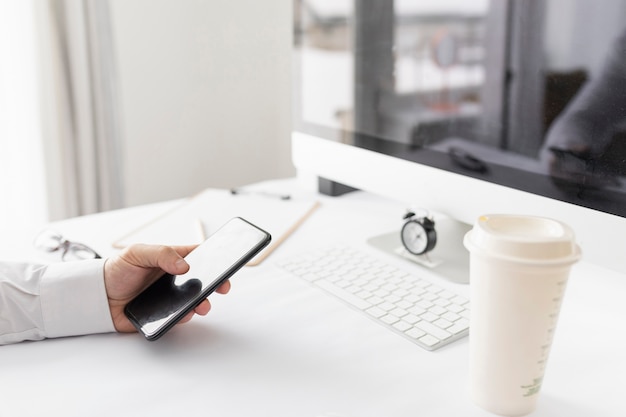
(184, 250)
(168, 258)
(187, 318)
(224, 288)
(203, 308)
(180, 266)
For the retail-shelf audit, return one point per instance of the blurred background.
(110, 104)
(107, 104)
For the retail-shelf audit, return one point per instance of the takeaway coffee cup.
(519, 267)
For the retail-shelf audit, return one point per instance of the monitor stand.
(449, 259)
(332, 188)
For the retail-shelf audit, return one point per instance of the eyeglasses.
(51, 241)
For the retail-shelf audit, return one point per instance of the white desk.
(276, 346)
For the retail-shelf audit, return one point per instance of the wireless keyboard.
(412, 306)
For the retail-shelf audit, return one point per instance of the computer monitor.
(462, 108)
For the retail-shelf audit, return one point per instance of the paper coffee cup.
(519, 266)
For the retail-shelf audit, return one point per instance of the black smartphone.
(166, 301)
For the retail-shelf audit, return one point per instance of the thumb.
(165, 257)
(180, 266)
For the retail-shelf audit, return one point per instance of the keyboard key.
(430, 296)
(417, 310)
(429, 340)
(457, 328)
(441, 302)
(389, 319)
(429, 317)
(417, 290)
(411, 318)
(374, 300)
(437, 310)
(433, 330)
(393, 298)
(463, 323)
(399, 312)
(381, 293)
(404, 304)
(450, 316)
(459, 300)
(446, 294)
(442, 323)
(412, 298)
(342, 283)
(402, 326)
(415, 333)
(344, 295)
(387, 306)
(399, 292)
(375, 312)
(364, 294)
(455, 308)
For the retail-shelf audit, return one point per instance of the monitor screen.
(509, 93)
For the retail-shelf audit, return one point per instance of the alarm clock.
(418, 234)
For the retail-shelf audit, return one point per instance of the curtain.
(21, 161)
(81, 117)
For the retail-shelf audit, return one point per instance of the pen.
(238, 191)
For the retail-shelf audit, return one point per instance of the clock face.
(415, 238)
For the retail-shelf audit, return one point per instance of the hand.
(130, 272)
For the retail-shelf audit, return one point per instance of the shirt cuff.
(74, 300)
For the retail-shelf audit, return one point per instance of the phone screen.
(171, 297)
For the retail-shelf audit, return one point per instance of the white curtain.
(80, 116)
(22, 187)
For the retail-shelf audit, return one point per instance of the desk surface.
(276, 346)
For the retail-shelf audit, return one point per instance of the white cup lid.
(523, 238)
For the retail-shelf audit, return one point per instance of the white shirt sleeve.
(56, 300)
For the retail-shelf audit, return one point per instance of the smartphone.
(166, 301)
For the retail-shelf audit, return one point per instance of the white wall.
(205, 94)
